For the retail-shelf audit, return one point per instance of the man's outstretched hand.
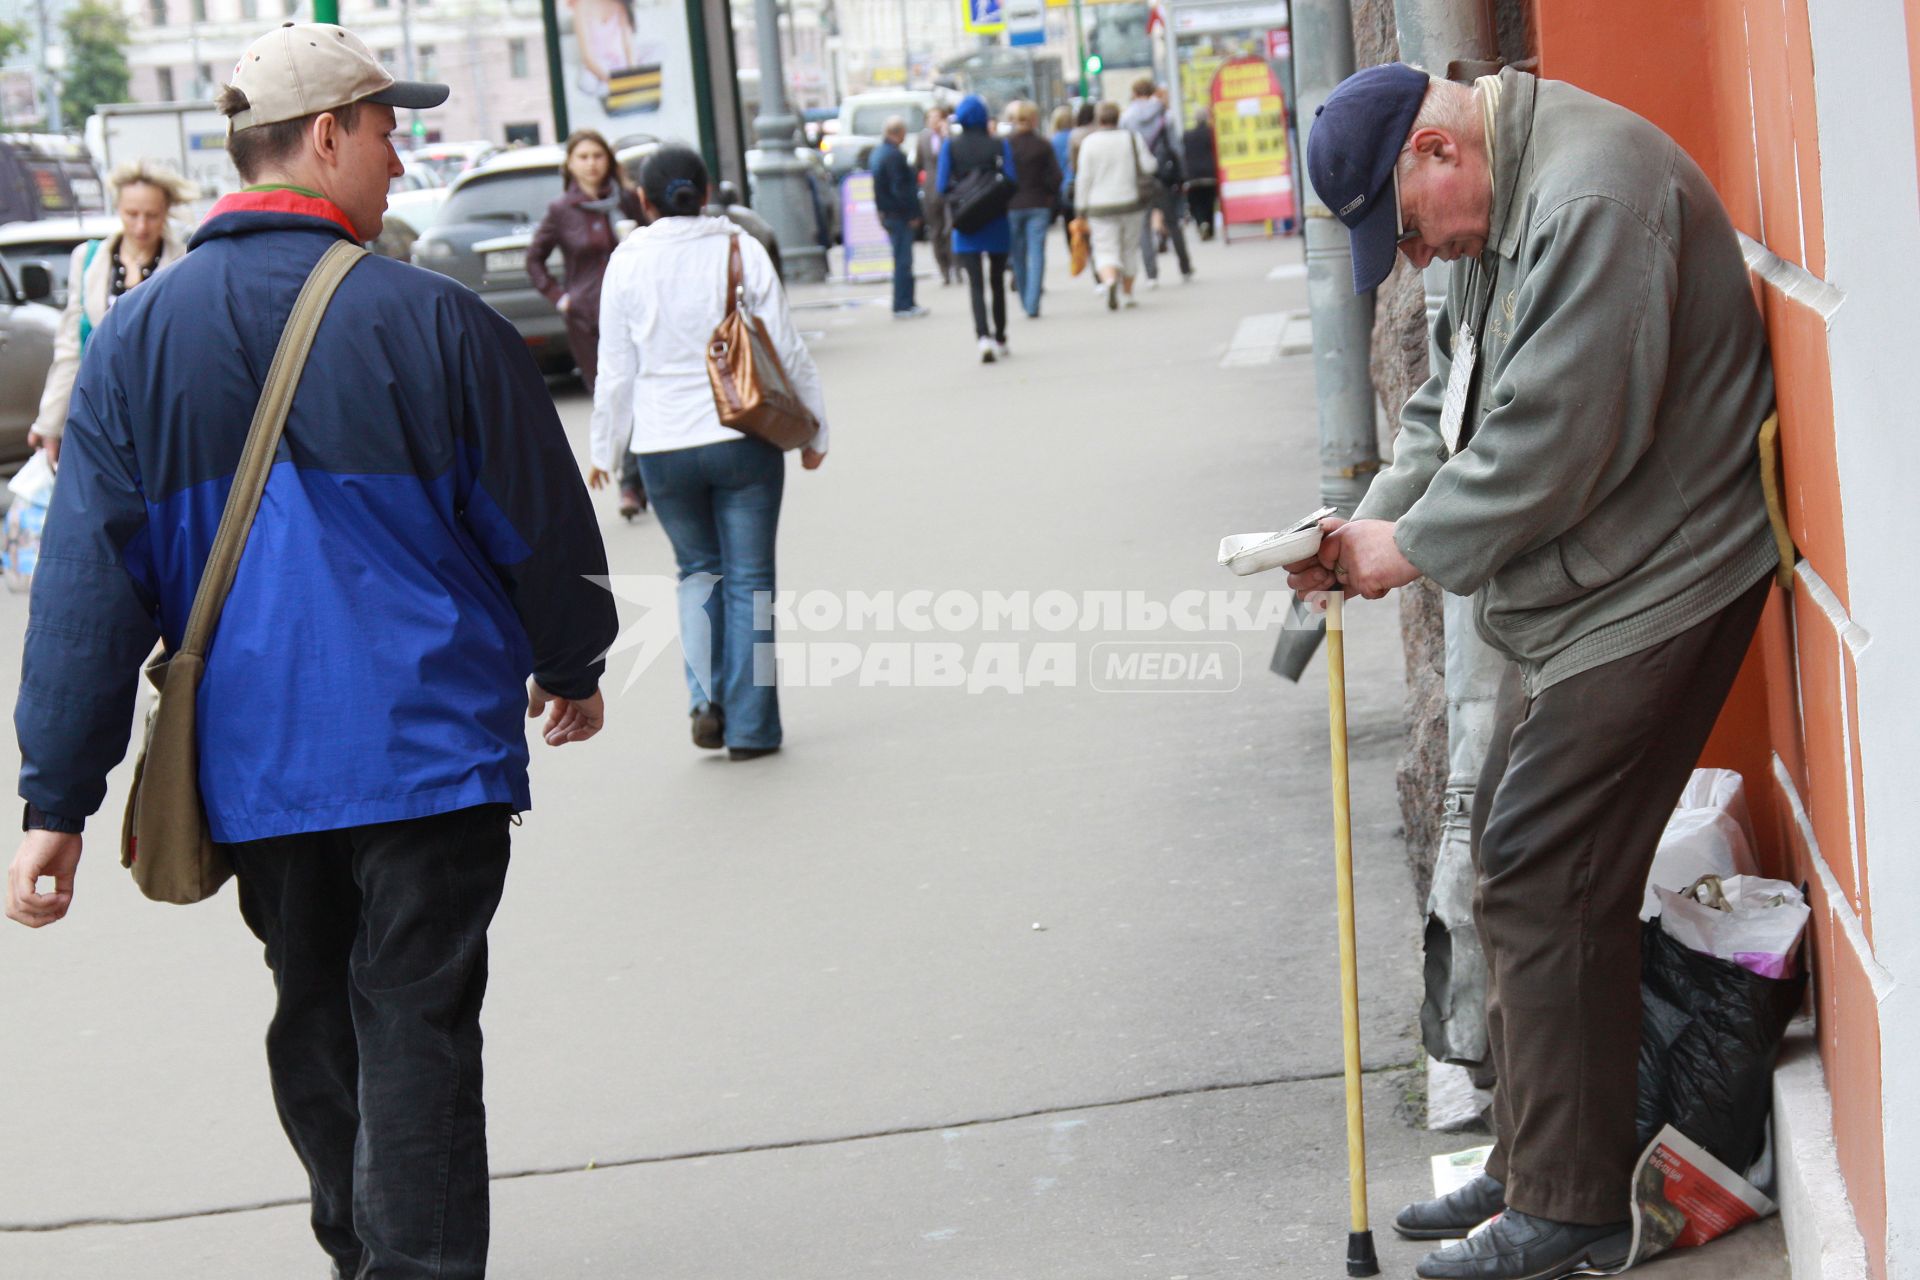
(568, 719)
(42, 853)
(1358, 557)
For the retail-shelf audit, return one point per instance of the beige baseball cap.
(307, 67)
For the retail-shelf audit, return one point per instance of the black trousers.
(1200, 203)
(1576, 790)
(377, 938)
(995, 269)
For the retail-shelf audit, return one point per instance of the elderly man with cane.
(1583, 463)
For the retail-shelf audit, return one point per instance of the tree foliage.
(13, 38)
(97, 71)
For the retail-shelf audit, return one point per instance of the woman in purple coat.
(581, 225)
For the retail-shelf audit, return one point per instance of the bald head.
(896, 129)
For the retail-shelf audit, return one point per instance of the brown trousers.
(1577, 788)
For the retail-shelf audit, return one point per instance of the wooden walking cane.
(1361, 1260)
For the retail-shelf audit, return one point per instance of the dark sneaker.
(1454, 1214)
(632, 501)
(1519, 1246)
(709, 727)
(749, 753)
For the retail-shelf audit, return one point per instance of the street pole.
(781, 193)
(414, 132)
(327, 11)
(50, 85)
(1432, 34)
(906, 48)
(556, 70)
(1342, 319)
(1080, 47)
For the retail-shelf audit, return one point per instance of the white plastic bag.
(32, 489)
(1759, 930)
(1709, 834)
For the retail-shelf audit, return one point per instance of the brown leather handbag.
(751, 390)
(165, 840)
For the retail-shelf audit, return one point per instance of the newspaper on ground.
(1682, 1196)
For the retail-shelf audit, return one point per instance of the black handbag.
(981, 195)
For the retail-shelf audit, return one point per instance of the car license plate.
(505, 260)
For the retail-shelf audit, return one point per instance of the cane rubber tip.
(1361, 1260)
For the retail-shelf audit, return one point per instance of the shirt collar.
(284, 200)
(1509, 100)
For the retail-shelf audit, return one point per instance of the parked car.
(448, 160)
(415, 197)
(27, 328)
(481, 236)
(863, 118)
(47, 176)
(487, 223)
(50, 243)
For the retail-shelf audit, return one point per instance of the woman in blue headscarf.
(975, 149)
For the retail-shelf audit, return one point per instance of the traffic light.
(419, 130)
(1093, 64)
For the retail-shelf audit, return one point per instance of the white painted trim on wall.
(1853, 639)
(1878, 979)
(1795, 281)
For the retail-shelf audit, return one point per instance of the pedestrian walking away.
(896, 197)
(582, 223)
(145, 196)
(982, 252)
(928, 148)
(1203, 172)
(717, 492)
(1031, 210)
(1583, 462)
(1146, 116)
(425, 536)
(1108, 192)
(1062, 139)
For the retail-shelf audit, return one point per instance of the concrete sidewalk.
(962, 984)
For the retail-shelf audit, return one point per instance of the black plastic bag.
(1709, 1032)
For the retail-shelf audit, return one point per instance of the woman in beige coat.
(145, 197)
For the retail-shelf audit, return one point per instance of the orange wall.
(1732, 82)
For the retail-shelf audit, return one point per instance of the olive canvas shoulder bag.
(165, 840)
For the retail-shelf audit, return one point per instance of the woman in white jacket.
(1106, 192)
(716, 491)
(145, 196)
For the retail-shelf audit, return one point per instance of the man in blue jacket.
(896, 197)
(423, 546)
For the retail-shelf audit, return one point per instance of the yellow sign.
(887, 75)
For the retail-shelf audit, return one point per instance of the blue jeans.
(720, 506)
(1029, 254)
(900, 233)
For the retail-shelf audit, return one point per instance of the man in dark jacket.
(1203, 170)
(896, 195)
(424, 545)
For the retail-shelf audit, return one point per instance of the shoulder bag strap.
(263, 441)
(736, 286)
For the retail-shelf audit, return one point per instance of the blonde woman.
(145, 195)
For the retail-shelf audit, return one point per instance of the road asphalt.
(1034, 978)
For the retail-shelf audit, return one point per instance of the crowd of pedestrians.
(1126, 196)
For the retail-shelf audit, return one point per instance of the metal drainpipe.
(1342, 319)
(1433, 34)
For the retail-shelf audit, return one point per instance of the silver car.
(27, 328)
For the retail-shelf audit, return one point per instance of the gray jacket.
(1606, 495)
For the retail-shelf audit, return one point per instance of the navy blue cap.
(1355, 141)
